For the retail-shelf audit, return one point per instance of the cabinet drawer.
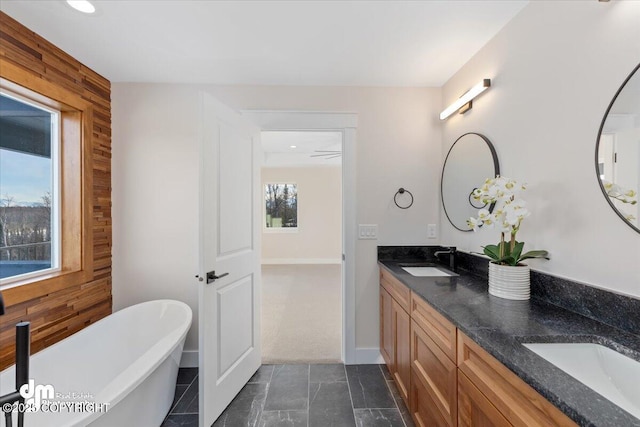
(474, 409)
(398, 291)
(423, 408)
(439, 329)
(516, 400)
(436, 373)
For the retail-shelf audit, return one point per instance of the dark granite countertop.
(500, 326)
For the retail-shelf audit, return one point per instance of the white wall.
(554, 70)
(155, 181)
(318, 238)
(155, 196)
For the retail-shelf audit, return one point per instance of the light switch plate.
(367, 231)
(432, 231)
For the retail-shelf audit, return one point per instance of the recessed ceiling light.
(293, 146)
(83, 6)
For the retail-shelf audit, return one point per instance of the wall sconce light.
(463, 104)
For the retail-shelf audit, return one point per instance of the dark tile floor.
(301, 396)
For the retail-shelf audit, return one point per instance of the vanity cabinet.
(503, 390)
(395, 329)
(434, 397)
(446, 379)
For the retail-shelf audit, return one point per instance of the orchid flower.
(507, 212)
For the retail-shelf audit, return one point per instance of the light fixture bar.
(466, 98)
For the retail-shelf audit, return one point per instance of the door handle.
(211, 276)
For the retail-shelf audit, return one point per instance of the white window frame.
(277, 230)
(56, 226)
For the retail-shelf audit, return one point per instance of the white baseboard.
(276, 261)
(189, 359)
(364, 356)
(368, 356)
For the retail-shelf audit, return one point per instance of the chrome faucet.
(451, 251)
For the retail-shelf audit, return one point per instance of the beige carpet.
(301, 313)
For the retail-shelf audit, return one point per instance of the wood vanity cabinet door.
(474, 409)
(439, 329)
(398, 291)
(422, 407)
(402, 331)
(386, 329)
(515, 399)
(434, 381)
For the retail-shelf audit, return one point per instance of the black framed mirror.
(618, 151)
(470, 161)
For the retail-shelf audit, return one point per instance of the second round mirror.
(470, 161)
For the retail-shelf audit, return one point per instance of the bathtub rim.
(126, 387)
(151, 367)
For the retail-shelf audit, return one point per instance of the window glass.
(28, 188)
(281, 202)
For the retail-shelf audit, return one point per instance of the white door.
(229, 306)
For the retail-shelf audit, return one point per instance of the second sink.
(611, 374)
(427, 272)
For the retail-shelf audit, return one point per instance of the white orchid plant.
(621, 194)
(503, 194)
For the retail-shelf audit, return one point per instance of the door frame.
(347, 123)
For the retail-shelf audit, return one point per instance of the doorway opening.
(302, 246)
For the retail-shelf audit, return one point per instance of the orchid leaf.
(492, 251)
(512, 257)
(517, 250)
(535, 254)
(509, 260)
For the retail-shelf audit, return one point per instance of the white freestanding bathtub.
(120, 371)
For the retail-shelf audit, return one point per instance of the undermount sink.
(607, 372)
(427, 272)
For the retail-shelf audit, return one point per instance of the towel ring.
(484, 205)
(402, 191)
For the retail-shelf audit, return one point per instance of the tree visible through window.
(281, 201)
(28, 145)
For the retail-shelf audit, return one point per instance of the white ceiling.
(278, 150)
(342, 43)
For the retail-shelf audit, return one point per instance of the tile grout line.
(386, 381)
(308, 395)
(266, 393)
(266, 390)
(353, 410)
(177, 401)
(181, 396)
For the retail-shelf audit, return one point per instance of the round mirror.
(618, 151)
(470, 161)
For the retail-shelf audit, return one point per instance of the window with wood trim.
(71, 191)
(29, 189)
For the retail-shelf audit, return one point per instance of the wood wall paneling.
(56, 314)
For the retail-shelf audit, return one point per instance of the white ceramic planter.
(510, 282)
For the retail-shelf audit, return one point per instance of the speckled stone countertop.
(500, 326)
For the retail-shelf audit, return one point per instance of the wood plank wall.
(56, 315)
